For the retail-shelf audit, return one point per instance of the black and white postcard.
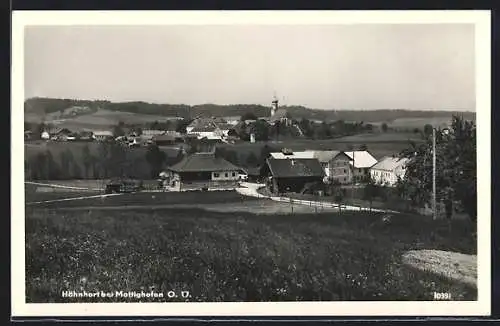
(251, 163)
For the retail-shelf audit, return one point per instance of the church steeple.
(274, 106)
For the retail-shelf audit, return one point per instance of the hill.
(37, 109)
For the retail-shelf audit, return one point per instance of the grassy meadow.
(235, 256)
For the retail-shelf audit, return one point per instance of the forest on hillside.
(43, 106)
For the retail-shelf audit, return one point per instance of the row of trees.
(456, 170)
(48, 105)
(107, 161)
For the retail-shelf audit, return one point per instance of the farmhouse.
(292, 175)
(202, 171)
(360, 164)
(334, 163)
(209, 132)
(388, 170)
(103, 135)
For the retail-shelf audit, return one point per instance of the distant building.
(388, 170)
(103, 135)
(279, 114)
(292, 175)
(202, 171)
(147, 135)
(360, 164)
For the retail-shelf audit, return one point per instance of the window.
(216, 175)
(233, 174)
(345, 171)
(226, 174)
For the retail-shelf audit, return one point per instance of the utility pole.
(353, 175)
(434, 205)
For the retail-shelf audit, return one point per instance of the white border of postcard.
(482, 21)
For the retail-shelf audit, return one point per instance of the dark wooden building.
(293, 175)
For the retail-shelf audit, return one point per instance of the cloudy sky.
(325, 67)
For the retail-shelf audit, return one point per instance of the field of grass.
(235, 256)
(101, 119)
(153, 198)
(416, 122)
(378, 144)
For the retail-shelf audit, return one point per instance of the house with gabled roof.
(202, 171)
(334, 163)
(360, 164)
(388, 170)
(292, 175)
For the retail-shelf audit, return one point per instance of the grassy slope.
(235, 257)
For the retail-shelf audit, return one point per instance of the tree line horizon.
(46, 105)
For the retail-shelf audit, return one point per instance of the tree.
(65, 165)
(428, 130)
(248, 116)
(384, 127)
(118, 131)
(103, 159)
(370, 191)
(264, 154)
(305, 126)
(155, 157)
(182, 124)
(252, 159)
(455, 166)
(86, 160)
(261, 130)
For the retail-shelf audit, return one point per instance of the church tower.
(274, 106)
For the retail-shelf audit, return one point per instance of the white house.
(103, 135)
(388, 170)
(361, 162)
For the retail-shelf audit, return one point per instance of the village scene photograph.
(250, 163)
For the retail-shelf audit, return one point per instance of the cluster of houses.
(284, 171)
(214, 129)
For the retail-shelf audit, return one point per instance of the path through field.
(72, 198)
(251, 189)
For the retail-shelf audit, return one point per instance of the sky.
(357, 66)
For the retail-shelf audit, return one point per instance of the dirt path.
(71, 198)
(51, 185)
(453, 265)
(251, 189)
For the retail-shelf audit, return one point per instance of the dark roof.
(279, 114)
(203, 162)
(300, 167)
(204, 129)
